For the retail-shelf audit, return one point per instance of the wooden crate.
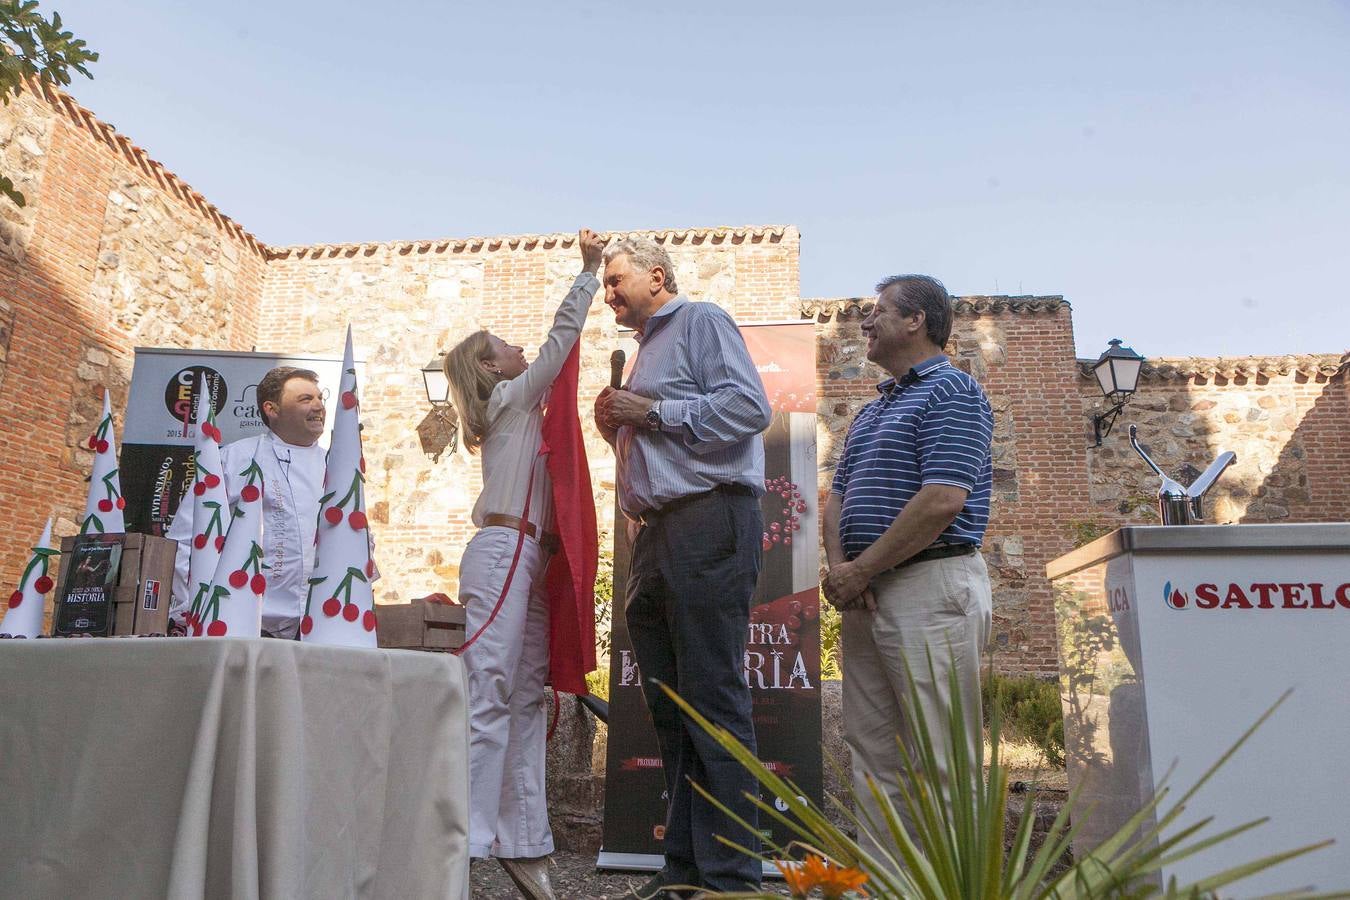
(144, 582)
(419, 625)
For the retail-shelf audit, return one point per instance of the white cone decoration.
(210, 510)
(232, 606)
(340, 608)
(103, 509)
(23, 613)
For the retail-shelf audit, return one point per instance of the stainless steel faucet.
(1179, 505)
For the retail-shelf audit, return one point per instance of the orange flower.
(818, 872)
(798, 879)
(839, 880)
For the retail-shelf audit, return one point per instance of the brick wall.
(111, 251)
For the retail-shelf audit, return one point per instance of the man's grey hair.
(645, 254)
(925, 294)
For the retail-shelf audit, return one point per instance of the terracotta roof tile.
(856, 307)
(750, 234)
(1230, 367)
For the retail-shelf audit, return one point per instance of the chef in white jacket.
(292, 463)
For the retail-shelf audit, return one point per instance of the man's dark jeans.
(692, 575)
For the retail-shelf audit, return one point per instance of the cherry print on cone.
(340, 602)
(23, 613)
(102, 511)
(210, 513)
(232, 602)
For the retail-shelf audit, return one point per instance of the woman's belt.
(550, 542)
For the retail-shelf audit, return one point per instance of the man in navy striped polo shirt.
(903, 524)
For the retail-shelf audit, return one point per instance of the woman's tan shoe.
(530, 875)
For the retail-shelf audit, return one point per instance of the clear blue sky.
(1179, 171)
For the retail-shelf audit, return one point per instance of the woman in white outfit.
(500, 398)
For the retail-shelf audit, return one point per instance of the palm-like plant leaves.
(957, 847)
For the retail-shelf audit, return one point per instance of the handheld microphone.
(616, 361)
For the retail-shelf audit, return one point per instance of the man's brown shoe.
(660, 887)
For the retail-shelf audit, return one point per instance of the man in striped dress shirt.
(690, 466)
(903, 524)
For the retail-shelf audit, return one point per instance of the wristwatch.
(654, 416)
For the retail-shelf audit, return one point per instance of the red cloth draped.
(570, 578)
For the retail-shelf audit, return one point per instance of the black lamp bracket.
(1104, 420)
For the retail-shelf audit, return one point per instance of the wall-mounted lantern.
(1117, 372)
(438, 386)
(438, 395)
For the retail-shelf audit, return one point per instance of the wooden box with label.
(114, 584)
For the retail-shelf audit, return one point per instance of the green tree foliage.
(831, 625)
(33, 47)
(598, 681)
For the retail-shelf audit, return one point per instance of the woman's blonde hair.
(470, 387)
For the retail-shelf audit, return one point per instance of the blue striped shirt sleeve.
(954, 438)
(732, 405)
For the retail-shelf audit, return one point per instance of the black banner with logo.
(156, 461)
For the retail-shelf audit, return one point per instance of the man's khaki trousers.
(943, 606)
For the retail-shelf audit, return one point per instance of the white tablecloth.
(177, 767)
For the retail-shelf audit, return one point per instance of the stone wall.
(1285, 418)
(407, 302)
(110, 251)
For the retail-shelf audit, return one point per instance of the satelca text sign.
(1260, 595)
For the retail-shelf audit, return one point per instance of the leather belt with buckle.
(940, 551)
(550, 542)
